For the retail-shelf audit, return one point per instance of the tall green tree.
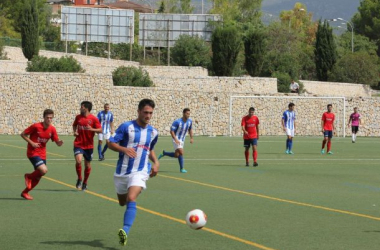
(186, 7)
(29, 29)
(367, 21)
(255, 48)
(238, 11)
(161, 9)
(226, 44)
(325, 51)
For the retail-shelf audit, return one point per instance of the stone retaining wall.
(23, 97)
(337, 89)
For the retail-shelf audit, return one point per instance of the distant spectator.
(294, 87)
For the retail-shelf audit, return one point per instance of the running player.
(327, 123)
(105, 118)
(37, 135)
(178, 131)
(135, 141)
(250, 127)
(85, 126)
(355, 120)
(289, 126)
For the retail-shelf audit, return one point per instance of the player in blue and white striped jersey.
(289, 126)
(178, 131)
(105, 118)
(135, 141)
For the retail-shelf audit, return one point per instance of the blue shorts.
(249, 142)
(87, 153)
(37, 161)
(328, 133)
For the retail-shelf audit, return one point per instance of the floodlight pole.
(144, 36)
(131, 38)
(109, 36)
(67, 30)
(168, 26)
(86, 34)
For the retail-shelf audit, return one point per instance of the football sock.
(287, 144)
(290, 145)
(353, 137)
(180, 160)
(246, 153)
(129, 216)
(100, 150)
(104, 149)
(323, 144)
(87, 172)
(255, 156)
(328, 146)
(78, 167)
(36, 177)
(170, 154)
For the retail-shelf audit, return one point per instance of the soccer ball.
(196, 219)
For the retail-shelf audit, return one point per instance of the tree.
(238, 11)
(367, 22)
(226, 43)
(29, 29)
(191, 51)
(325, 51)
(358, 67)
(255, 48)
(161, 9)
(186, 7)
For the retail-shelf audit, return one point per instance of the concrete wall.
(23, 97)
(337, 89)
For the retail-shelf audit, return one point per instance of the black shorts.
(37, 161)
(355, 129)
(249, 142)
(87, 153)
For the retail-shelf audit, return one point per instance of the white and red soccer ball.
(196, 219)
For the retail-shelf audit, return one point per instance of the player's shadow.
(93, 243)
(372, 231)
(12, 199)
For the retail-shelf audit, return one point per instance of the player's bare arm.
(283, 124)
(323, 125)
(75, 130)
(156, 163)
(96, 130)
(258, 131)
(191, 136)
(28, 140)
(59, 142)
(128, 151)
(244, 131)
(174, 137)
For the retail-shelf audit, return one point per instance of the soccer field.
(301, 201)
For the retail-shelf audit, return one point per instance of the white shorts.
(104, 136)
(290, 132)
(122, 183)
(176, 146)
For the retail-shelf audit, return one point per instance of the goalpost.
(269, 110)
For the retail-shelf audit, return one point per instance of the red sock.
(255, 156)
(87, 172)
(246, 156)
(323, 144)
(328, 146)
(35, 175)
(78, 167)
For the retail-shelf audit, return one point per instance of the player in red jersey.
(85, 126)
(250, 127)
(327, 123)
(37, 135)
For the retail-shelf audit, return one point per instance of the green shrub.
(191, 51)
(63, 64)
(3, 54)
(131, 76)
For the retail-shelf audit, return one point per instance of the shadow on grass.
(93, 243)
(372, 231)
(12, 199)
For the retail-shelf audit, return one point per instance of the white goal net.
(269, 110)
